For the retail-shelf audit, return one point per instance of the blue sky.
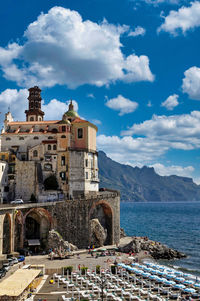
(132, 67)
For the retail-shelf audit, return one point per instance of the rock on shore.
(55, 241)
(153, 248)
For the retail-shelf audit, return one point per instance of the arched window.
(21, 138)
(50, 137)
(35, 138)
(31, 118)
(8, 138)
(49, 147)
(35, 153)
(54, 130)
(63, 136)
(54, 147)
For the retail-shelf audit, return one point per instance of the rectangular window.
(63, 160)
(63, 128)
(86, 175)
(3, 157)
(2, 168)
(80, 133)
(63, 176)
(86, 162)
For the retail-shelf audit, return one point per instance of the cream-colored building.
(49, 159)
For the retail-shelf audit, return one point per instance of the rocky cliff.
(144, 184)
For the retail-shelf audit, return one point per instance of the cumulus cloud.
(186, 18)
(173, 170)
(175, 131)
(152, 138)
(138, 31)
(158, 2)
(191, 83)
(61, 48)
(142, 150)
(171, 102)
(122, 104)
(16, 101)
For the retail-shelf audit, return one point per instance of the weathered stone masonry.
(70, 218)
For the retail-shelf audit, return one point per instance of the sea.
(174, 224)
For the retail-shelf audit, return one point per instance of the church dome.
(71, 113)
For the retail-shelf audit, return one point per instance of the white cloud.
(54, 109)
(175, 131)
(158, 2)
(122, 104)
(142, 150)
(153, 138)
(60, 48)
(91, 95)
(96, 121)
(17, 101)
(186, 18)
(139, 31)
(171, 102)
(149, 104)
(191, 83)
(173, 170)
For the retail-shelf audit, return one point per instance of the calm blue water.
(174, 224)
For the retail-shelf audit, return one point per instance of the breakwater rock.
(153, 248)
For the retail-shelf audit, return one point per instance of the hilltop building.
(53, 164)
(49, 159)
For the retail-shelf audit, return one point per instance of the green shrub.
(33, 198)
(69, 269)
(98, 267)
(84, 270)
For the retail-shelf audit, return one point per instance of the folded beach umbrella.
(188, 282)
(134, 264)
(145, 274)
(153, 277)
(147, 269)
(170, 276)
(178, 273)
(180, 279)
(171, 282)
(179, 286)
(190, 290)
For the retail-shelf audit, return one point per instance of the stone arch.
(7, 234)
(18, 230)
(37, 223)
(104, 213)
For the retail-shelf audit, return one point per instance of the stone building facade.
(70, 218)
(53, 161)
(64, 149)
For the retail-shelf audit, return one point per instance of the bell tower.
(34, 112)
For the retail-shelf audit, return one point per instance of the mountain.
(144, 184)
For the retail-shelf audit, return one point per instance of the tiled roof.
(33, 122)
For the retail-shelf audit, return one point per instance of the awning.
(33, 242)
